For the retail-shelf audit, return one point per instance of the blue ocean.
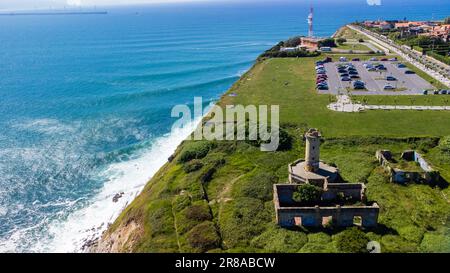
(85, 100)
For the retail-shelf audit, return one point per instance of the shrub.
(307, 194)
(396, 244)
(195, 150)
(180, 202)
(242, 219)
(285, 140)
(341, 40)
(198, 213)
(361, 40)
(327, 42)
(259, 186)
(203, 237)
(444, 144)
(192, 166)
(160, 218)
(293, 42)
(279, 240)
(435, 242)
(352, 240)
(207, 175)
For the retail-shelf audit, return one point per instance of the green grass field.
(290, 84)
(221, 201)
(357, 46)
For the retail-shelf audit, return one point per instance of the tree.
(327, 43)
(293, 42)
(307, 194)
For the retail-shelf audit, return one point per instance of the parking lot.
(375, 81)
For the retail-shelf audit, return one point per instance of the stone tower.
(312, 151)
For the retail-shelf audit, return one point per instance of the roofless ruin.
(340, 204)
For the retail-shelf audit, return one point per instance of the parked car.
(354, 76)
(328, 60)
(410, 72)
(371, 69)
(356, 60)
(391, 78)
(436, 92)
(373, 59)
(342, 59)
(345, 79)
(388, 87)
(393, 59)
(353, 72)
(345, 75)
(384, 60)
(443, 92)
(322, 87)
(401, 65)
(319, 63)
(359, 85)
(425, 92)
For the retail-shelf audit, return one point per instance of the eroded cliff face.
(122, 239)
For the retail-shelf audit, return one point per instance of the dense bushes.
(195, 150)
(352, 240)
(444, 144)
(341, 41)
(275, 52)
(199, 212)
(242, 219)
(279, 240)
(203, 237)
(192, 166)
(307, 194)
(439, 57)
(259, 186)
(327, 42)
(285, 140)
(293, 42)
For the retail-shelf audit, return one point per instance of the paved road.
(375, 81)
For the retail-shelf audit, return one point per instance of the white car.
(388, 87)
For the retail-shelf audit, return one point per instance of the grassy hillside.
(217, 196)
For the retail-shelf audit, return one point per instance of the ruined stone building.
(312, 170)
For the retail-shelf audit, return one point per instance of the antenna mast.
(310, 22)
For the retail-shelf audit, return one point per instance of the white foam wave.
(127, 177)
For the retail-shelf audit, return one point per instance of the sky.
(45, 4)
(33, 4)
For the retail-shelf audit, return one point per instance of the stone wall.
(428, 174)
(286, 213)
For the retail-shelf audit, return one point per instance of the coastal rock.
(121, 239)
(117, 197)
